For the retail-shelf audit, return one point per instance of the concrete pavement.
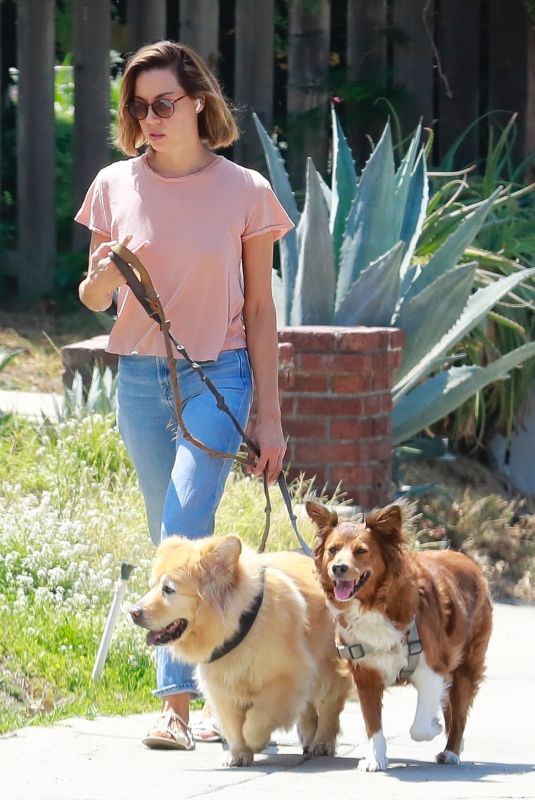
(34, 405)
(103, 759)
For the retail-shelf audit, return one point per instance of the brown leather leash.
(141, 286)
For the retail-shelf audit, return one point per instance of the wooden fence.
(448, 62)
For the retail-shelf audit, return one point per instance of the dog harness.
(354, 652)
(245, 624)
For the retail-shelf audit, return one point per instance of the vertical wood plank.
(36, 149)
(458, 38)
(146, 22)
(529, 138)
(510, 65)
(366, 40)
(91, 58)
(307, 96)
(199, 28)
(413, 22)
(253, 78)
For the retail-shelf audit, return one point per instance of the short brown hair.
(217, 126)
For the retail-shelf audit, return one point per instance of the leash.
(140, 284)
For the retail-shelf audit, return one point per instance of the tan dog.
(260, 632)
(376, 590)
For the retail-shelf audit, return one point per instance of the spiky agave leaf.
(429, 315)
(416, 202)
(478, 305)
(371, 300)
(314, 285)
(325, 190)
(443, 393)
(343, 184)
(451, 251)
(371, 228)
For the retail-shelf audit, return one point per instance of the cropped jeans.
(181, 484)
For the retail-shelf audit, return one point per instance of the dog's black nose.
(136, 613)
(340, 569)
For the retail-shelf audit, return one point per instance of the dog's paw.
(376, 759)
(322, 749)
(372, 765)
(447, 757)
(239, 758)
(424, 733)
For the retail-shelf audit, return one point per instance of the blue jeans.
(181, 485)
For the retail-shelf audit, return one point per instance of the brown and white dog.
(376, 590)
(259, 629)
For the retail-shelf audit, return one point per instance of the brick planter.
(337, 413)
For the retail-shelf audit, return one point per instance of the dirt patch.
(40, 336)
(474, 512)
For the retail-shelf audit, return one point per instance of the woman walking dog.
(204, 227)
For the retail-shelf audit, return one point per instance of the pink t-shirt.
(194, 227)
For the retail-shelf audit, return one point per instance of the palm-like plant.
(374, 249)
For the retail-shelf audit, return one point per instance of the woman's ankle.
(179, 703)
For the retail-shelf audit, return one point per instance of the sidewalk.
(103, 759)
(33, 405)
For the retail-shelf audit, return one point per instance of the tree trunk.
(146, 22)
(307, 95)
(253, 79)
(36, 149)
(92, 40)
(199, 28)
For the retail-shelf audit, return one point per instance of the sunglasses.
(161, 107)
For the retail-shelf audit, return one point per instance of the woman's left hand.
(272, 445)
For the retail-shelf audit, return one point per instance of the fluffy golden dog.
(260, 632)
(386, 601)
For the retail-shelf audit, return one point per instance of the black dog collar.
(244, 626)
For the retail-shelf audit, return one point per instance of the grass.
(70, 512)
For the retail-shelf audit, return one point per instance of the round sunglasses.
(162, 107)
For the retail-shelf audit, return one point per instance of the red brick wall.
(337, 410)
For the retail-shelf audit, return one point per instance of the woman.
(192, 217)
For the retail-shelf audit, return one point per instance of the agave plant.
(100, 398)
(372, 250)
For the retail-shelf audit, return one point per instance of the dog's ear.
(228, 549)
(323, 517)
(325, 520)
(386, 521)
(219, 556)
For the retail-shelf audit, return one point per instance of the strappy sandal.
(206, 730)
(170, 733)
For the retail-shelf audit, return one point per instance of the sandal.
(170, 733)
(206, 730)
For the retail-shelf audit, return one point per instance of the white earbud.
(198, 105)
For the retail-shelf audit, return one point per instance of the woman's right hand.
(103, 277)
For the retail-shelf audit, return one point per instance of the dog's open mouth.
(345, 590)
(169, 634)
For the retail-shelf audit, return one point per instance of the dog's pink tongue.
(343, 590)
